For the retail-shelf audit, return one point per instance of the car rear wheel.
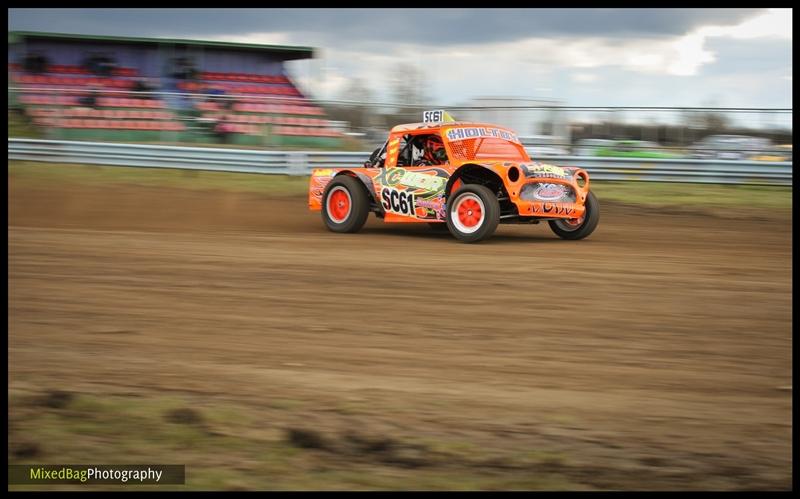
(473, 213)
(345, 204)
(578, 228)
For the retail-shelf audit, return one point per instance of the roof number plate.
(433, 116)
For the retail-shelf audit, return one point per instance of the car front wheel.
(473, 213)
(578, 228)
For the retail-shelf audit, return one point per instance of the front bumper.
(552, 194)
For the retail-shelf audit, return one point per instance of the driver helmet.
(417, 152)
(434, 150)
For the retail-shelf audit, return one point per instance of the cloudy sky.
(580, 57)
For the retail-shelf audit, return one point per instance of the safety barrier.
(302, 162)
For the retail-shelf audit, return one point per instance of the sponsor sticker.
(436, 205)
(429, 182)
(552, 208)
(466, 133)
(424, 181)
(549, 192)
(544, 170)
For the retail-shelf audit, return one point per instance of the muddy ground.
(656, 354)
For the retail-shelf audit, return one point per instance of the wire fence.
(302, 162)
(545, 128)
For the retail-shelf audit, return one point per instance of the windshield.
(478, 142)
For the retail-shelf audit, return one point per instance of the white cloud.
(774, 23)
(270, 38)
(682, 56)
(584, 77)
(533, 66)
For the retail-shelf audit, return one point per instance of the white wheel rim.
(454, 215)
(333, 217)
(566, 226)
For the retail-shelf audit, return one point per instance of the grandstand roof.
(284, 51)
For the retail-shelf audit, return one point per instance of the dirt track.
(655, 354)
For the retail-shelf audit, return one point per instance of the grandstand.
(85, 87)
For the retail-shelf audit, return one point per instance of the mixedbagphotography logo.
(89, 474)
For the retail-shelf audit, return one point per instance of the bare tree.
(409, 86)
(357, 91)
(354, 112)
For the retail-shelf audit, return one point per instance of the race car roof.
(408, 127)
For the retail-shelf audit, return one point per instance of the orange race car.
(465, 176)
